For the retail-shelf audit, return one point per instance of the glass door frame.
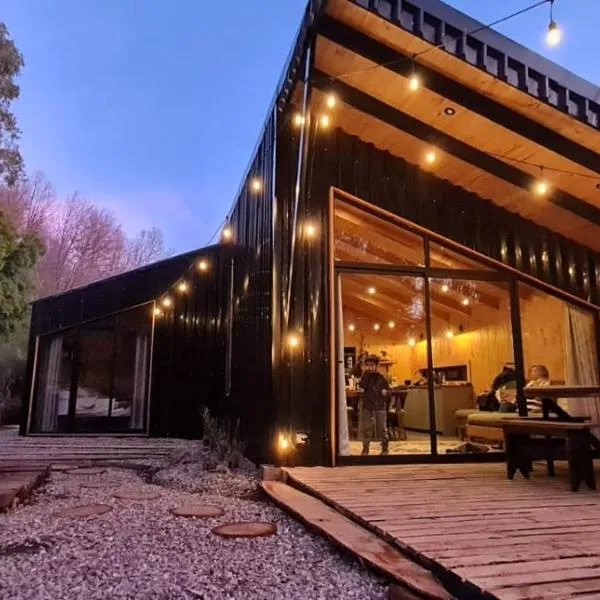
(427, 273)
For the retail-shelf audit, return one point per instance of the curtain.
(49, 386)
(582, 361)
(342, 412)
(140, 379)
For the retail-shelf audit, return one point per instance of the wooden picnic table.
(551, 393)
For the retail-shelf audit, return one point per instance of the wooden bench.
(527, 440)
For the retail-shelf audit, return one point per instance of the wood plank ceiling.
(562, 210)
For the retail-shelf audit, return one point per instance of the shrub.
(223, 440)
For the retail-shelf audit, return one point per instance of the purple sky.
(152, 108)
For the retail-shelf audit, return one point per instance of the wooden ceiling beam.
(453, 90)
(367, 104)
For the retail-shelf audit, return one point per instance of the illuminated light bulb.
(554, 34)
(391, 324)
(449, 334)
(465, 302)
(203, 265)
(371, 291)
(325, 121)
(352, 327)
(412, 342)
(182, 287)
(445, 288)
(299, 119)
(376, 326)
(310, 230)
(227, 233)
(430, 157)
(166, 302)
(293, 341)
(256, 185)
(540, 188)
(331, 101)
(284, 443)
(157, 312)
(414, 82)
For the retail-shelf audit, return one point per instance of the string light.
(371, 291)
(167, 302)
(256, 185)
(203, 266)
(376, 326)
(352, 327)
(414, 82)
(554, 34)
(293, 341)
(182, 287)
(325, 121)
(331, 101)
(412, 342)
(310, 230)
(299, 119)
(227, 234)
(430, 157)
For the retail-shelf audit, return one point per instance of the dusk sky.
(152, 107)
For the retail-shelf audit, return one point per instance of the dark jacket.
(506, 376)
(373, 383)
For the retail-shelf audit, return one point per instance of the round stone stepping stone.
(245, 530)
(81, 512)
(86, 471)
(97, 485)
(198, 511)
(137, 495)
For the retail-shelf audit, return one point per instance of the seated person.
(538, 376)
(372, 420)
(505, 380)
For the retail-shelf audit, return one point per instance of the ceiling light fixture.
(540, 187)
(450, 111)
(412, 342)
(449, 334)
(445, 288)
(352, 327)
(371, 291)
(331, 101)
(430, 157)
(466, 302)
(391, 324)
(376, 326)
(325, 121)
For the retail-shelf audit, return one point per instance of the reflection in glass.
(362, 237)
(444, 258)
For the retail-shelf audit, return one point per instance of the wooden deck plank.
(512, 539)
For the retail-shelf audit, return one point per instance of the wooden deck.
(511, 540)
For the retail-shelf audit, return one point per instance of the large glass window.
(383, 396)
(363, 237)
(95, 378)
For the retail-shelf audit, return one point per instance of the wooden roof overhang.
(510, 106)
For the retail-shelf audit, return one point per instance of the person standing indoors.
(372, 423)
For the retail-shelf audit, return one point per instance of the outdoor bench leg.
(581, 464)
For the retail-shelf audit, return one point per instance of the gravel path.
(139, 550)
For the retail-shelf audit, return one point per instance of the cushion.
(465, 412)
(489, 419)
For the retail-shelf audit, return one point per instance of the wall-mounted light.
(331, 101)
(167, 302)
(203, 266)
(324, 121)
(157, 312)
(182, 287)
(283, 443)
(466, 302)
(293, 341)
(412, 342)
(227, 234)
(449, 334)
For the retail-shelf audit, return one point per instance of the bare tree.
(147, 247)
